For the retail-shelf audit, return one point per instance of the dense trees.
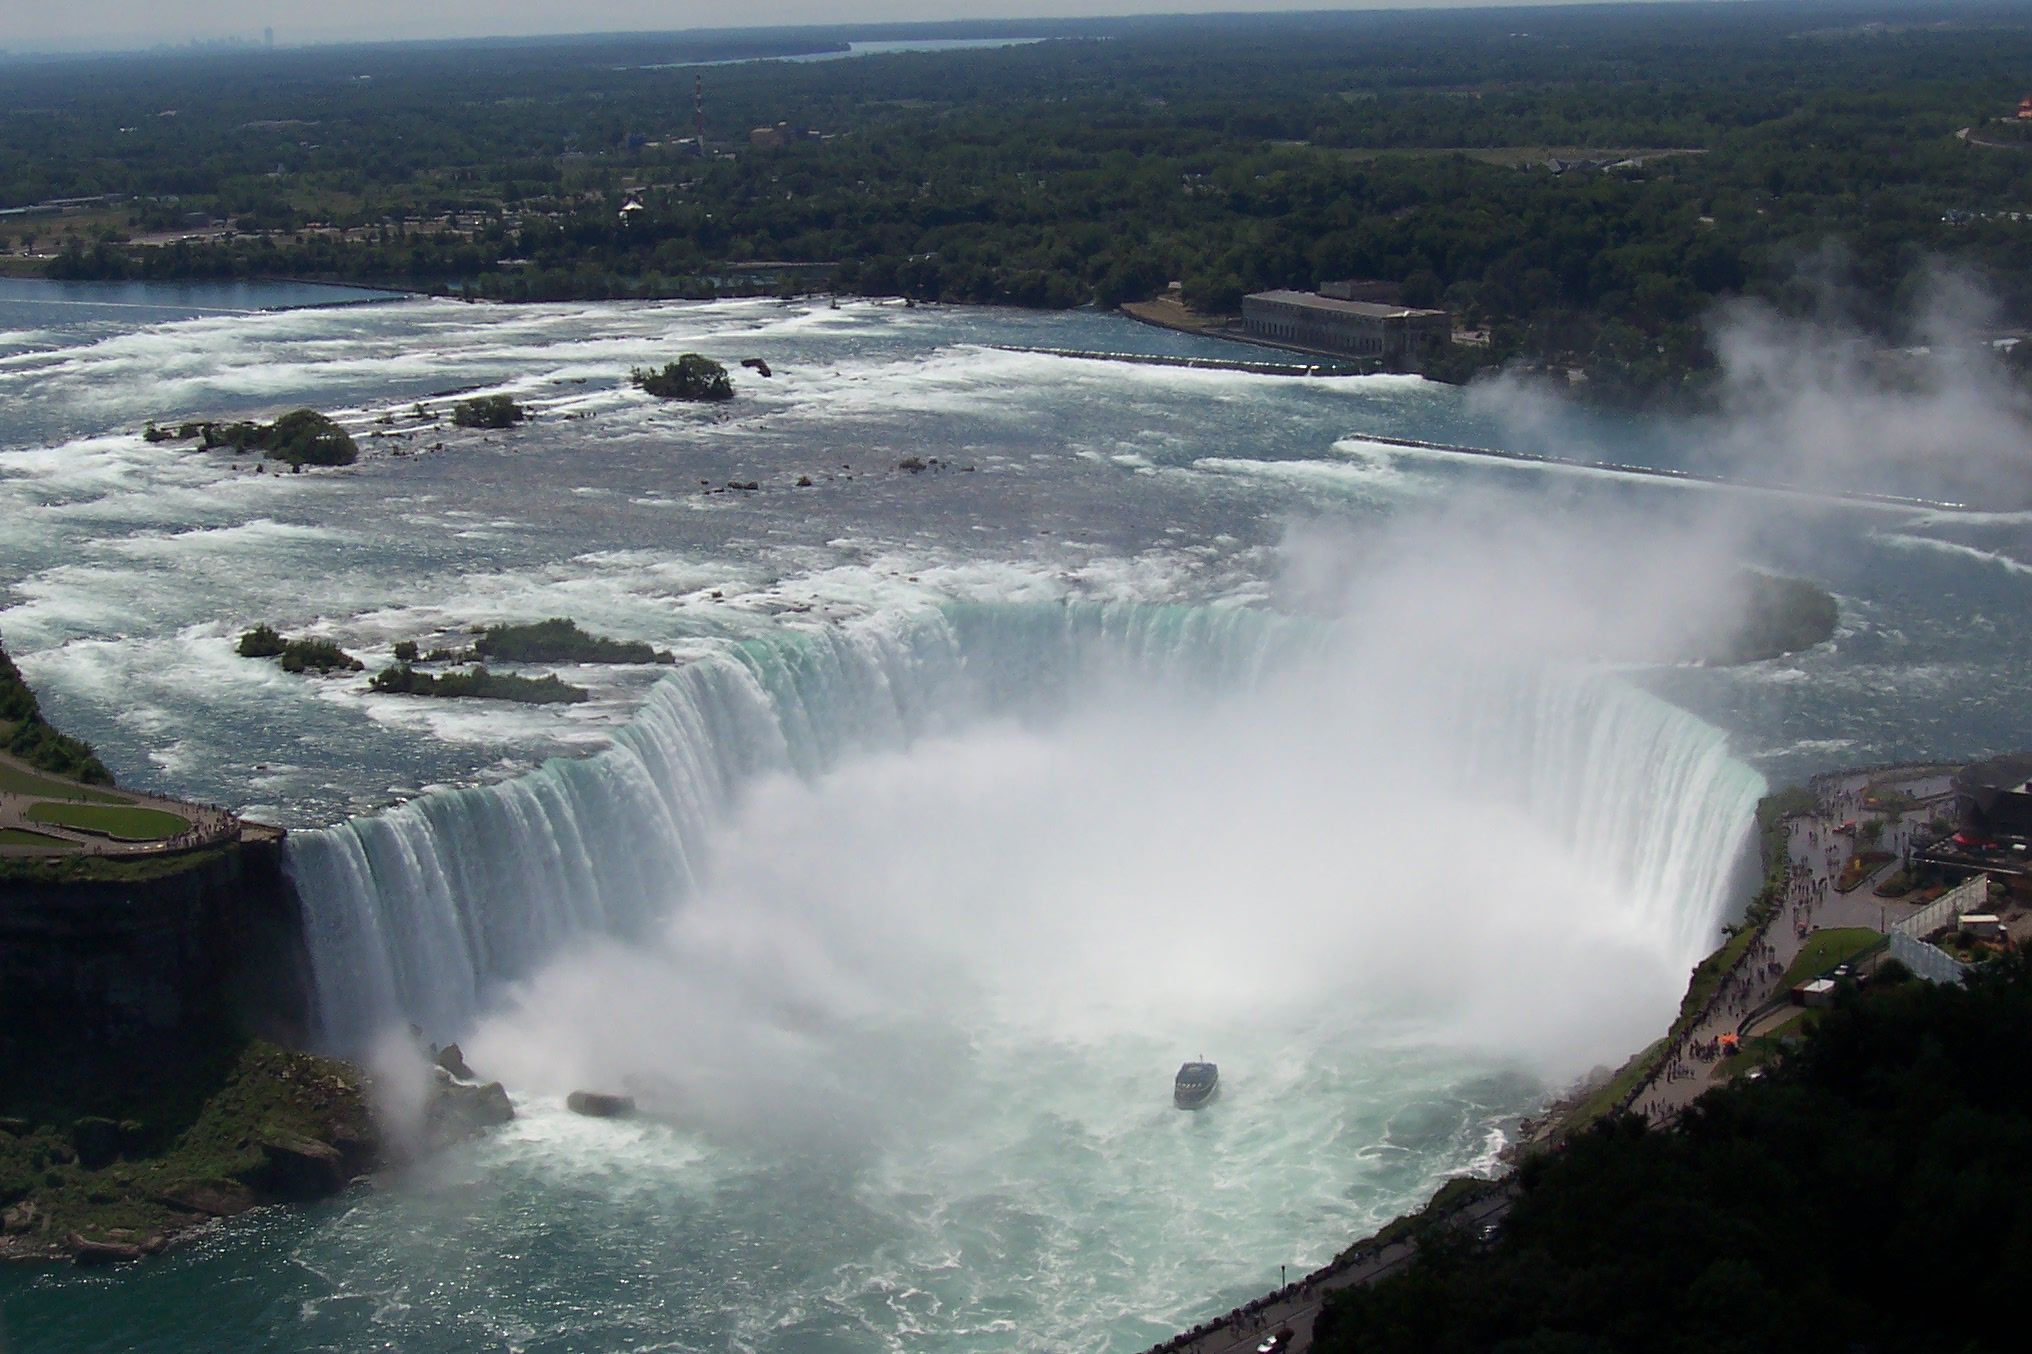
(25, 734)
(1839, 1203)
(1229, 153)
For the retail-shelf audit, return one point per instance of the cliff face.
(155, 961)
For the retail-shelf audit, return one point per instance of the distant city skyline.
(30, 25)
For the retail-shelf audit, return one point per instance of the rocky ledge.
(104, 1165)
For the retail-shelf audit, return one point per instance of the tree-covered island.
(299, 438)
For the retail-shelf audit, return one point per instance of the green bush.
(321, 655)
(691, 377)
(26, 735)
(263, 641)
(401, 679)
(559, 640)
(488, 411)
(301, 437)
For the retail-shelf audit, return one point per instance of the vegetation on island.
(691, 377)
(559, 640)
(26, 735)
(321, 656)
(488, 411)
(1776, 616)
(300, 438)
(1895, 1132)
(401, 679)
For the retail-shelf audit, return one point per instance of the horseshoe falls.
(425, 912)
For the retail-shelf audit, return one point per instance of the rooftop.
(1366, 309)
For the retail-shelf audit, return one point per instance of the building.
(1993, 799)
(1395, 336)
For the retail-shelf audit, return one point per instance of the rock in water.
(458, 1111)
(87, 1252)
(597, 1105)
(453, 1061)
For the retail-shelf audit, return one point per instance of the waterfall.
(423, 911)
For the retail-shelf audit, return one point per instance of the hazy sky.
(129, 23)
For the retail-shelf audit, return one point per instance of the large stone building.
(1396, 336)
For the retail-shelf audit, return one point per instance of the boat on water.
(1197, 1084)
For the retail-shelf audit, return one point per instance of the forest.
(1582, 183)
(1842, 1201)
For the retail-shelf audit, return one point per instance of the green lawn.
(120, 823)
(11, 836)
(13, 780)
(1824, 949)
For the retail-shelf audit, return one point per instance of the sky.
(99, 24)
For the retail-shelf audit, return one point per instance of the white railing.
(1971, 895)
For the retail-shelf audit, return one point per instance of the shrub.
(691, 377)
(559, 640)
(488, 411)
(405, 651)
(263, 641)
(300, 655)
(401, 679)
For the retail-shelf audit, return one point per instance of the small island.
(300, 438)
(297, 655)
(691, 377)
(1775, 616)
(402, 680)
(559, 640)
(488, 411)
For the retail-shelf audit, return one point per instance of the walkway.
(1819, 853)
(210, 824)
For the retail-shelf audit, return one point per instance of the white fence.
(1971, 895)
(1926, 961)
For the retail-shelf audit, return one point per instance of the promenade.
(1818, 851)
(23, 788)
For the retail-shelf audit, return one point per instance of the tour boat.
(1196, 1085)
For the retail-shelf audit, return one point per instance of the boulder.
(297, 1169)
(212, 1198)
(457, 1110)
(598, 1105)
(21, 1218)
(87, 1252)
(453, 1061)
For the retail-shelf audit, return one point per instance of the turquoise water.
(923, 918)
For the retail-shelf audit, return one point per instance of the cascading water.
(421, 912)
